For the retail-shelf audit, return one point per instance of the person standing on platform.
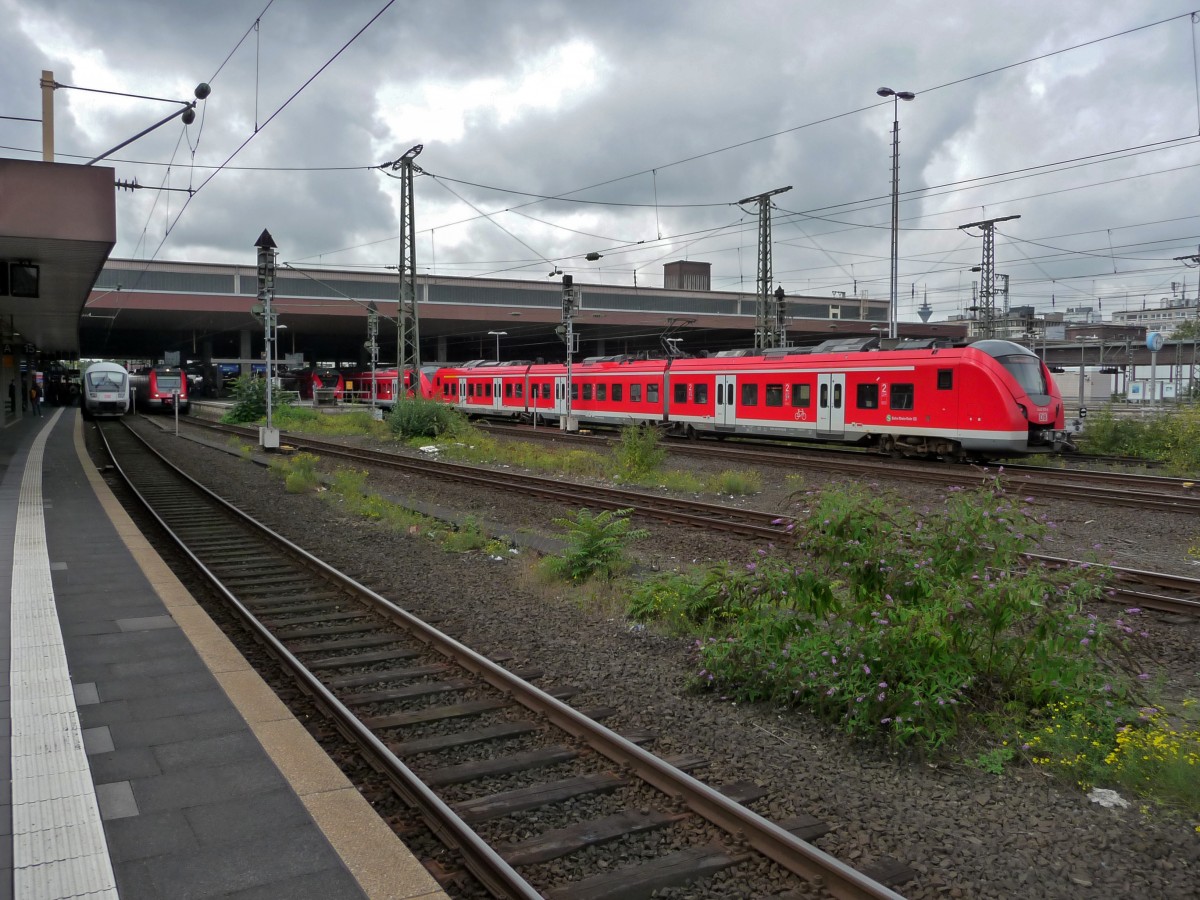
(35, 399)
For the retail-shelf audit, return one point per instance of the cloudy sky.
(557, 128)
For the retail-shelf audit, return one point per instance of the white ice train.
(105, 390)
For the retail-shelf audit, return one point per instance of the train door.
(831, 404)
(462, 392)
(497, 393)
(726, 388)
(560, 394)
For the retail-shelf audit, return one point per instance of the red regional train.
(158, 388)
(989, 399)
(385, 385)
(311, 380)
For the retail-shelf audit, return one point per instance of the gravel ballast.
(967, 833)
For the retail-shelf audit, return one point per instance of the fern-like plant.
(596, 545)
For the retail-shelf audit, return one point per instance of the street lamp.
(498, 335)
(896, 96)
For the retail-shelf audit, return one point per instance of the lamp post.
(498, 335)
(896, 96)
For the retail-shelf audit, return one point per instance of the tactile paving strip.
(59, 849)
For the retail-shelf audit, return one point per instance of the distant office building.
(1163, 318)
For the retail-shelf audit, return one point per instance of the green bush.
(250, 400)
(639, 451)
(299, 472)
(417, 417)
(596, 545)
(900, 625)
(1171, 437)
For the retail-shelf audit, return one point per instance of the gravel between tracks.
(967, 833)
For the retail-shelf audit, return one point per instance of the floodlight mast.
(893, 321)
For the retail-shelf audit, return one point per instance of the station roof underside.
(60, 219)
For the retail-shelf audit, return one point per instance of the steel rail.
(694, 513)
(480, 858)
(790, 852)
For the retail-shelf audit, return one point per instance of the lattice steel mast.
(987, 277)
(768, 330)
(408, 330)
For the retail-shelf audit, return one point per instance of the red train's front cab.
(1029, 408)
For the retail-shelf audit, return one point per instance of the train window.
(801, 395)
(471, 389)
(587, 392)
(902, 396)
(487, 389)
(945, 379)
(837, 396)
(749, 395)
(602, 392)
(1027, 370)
(635, 393)
(774, 395)
(680, 393)
(520, 389)
(652, 393)
(575, 391)
(868, 396)
(617, 393)
(824, 396)
(700, 393)
(508, 390)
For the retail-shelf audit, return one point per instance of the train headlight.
(1024, 411)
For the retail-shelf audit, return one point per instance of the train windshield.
(105, 381)
(1027, 370)
(168, 382)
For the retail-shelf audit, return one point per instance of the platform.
(146, 759)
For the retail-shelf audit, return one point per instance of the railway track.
(1167, 593)
(482, 753)
(1153, 492)
(713, 516)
